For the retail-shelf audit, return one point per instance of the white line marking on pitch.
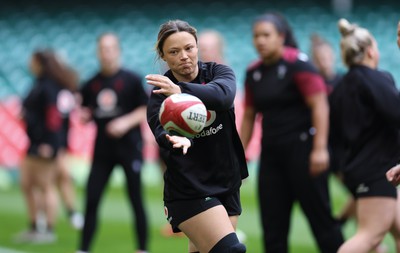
(5, 250)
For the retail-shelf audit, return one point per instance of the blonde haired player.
(365, 116)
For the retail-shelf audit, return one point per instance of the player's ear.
(370, 51)
(162, 56)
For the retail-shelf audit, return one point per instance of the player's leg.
(212, 231)
(44, 171)
(347, 212)
(375, 215)
(98, 177)
(28, 190)
(315, 203)
(313, 195)
(233, 206)
(132, 169)
(395, 229)
(66, 189)
(275, 200)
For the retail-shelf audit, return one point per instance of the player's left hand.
(167, 87)
(319, 161)
(179, 142)
(117, 128)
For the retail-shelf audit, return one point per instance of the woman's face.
(108, 52)
(181, 54)
(266, 39)
(324, 58)
(210, 48)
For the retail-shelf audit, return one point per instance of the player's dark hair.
(54, 68)
(282, 26)
(171, 27)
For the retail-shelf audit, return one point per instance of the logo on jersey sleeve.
(65, 101)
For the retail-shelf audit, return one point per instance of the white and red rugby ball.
(183, 114)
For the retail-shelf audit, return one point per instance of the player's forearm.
(320, 122)
(246, 129)
(136, 117)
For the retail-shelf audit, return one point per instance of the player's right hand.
(167, 87)
(179, 142)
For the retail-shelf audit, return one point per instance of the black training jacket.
(215, 164)
(365, 116)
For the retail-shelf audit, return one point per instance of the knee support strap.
(229, 244)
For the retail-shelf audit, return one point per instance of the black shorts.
(178, 211)
(377, 188)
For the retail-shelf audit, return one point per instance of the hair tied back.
(345, 27)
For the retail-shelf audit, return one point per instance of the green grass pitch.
(115, 235)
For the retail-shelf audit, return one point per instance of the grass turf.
(115, 233)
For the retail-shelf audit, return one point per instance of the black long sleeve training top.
(215, 164)
(365, 115)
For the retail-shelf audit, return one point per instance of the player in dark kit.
(393, 175)
(43, 112)
(116, 100)
(365, 115)
(291, 95)
(204, 174)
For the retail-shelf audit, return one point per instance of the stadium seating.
(73, 30)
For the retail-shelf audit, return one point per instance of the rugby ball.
(183, 114)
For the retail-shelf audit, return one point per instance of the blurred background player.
(323, 57)
(285, 87)
(393, 175)
(64, 180)
(116, 100)
(211, 46)
(44, 112)
(208, 208)
(365, 115)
